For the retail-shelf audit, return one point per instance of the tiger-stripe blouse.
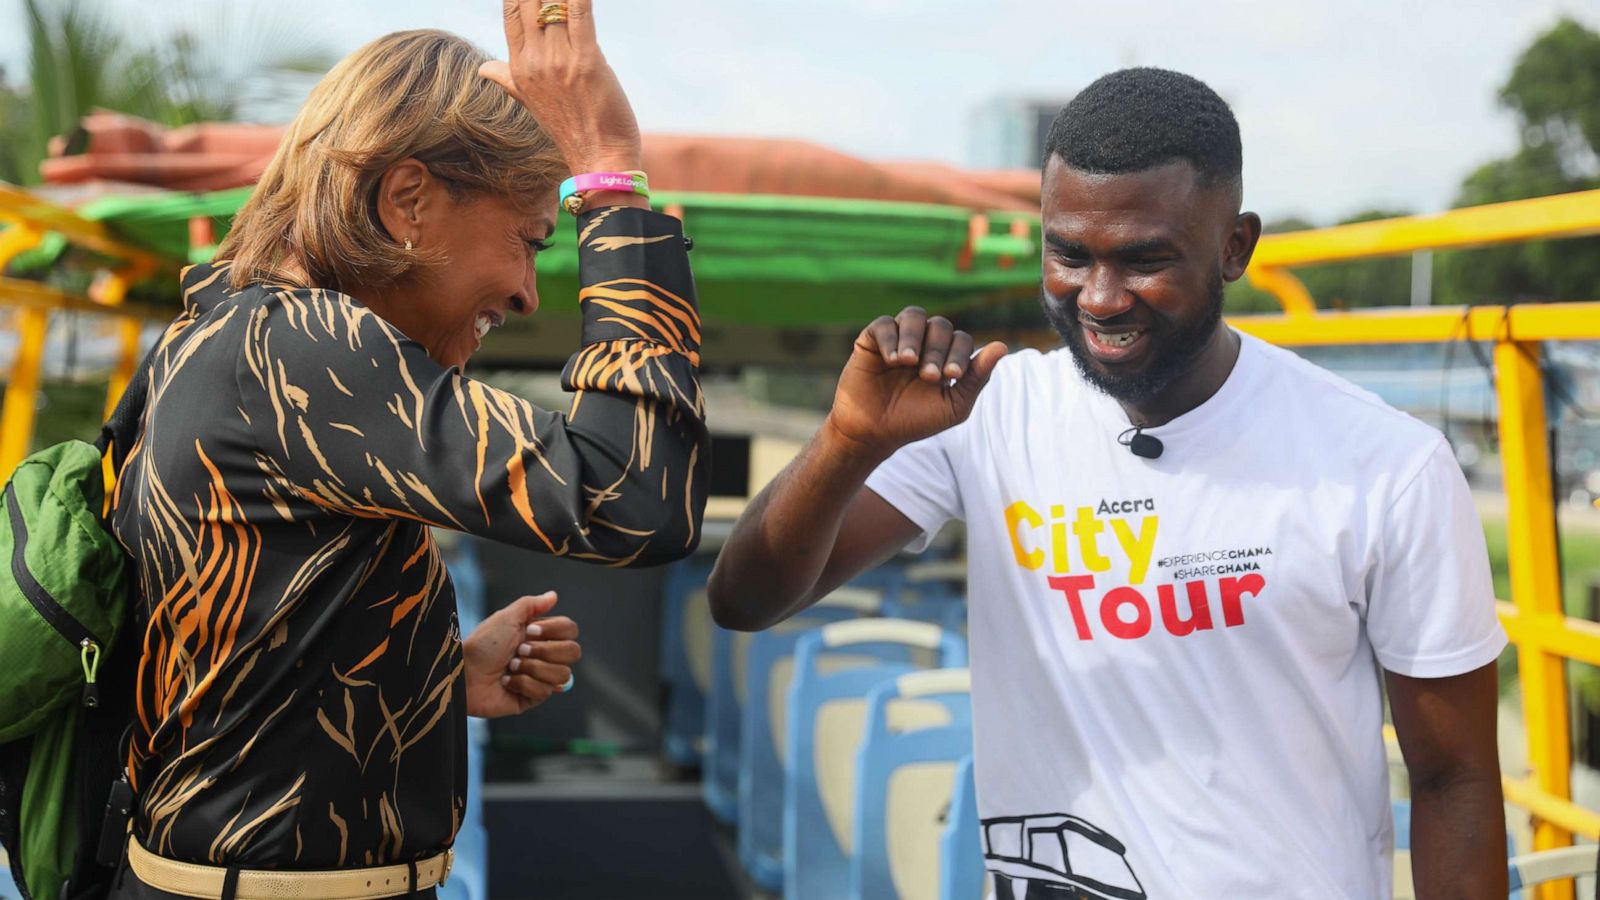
(300, 701)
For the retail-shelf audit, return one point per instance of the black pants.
(127, 886)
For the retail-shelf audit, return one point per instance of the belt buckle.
(449, 863)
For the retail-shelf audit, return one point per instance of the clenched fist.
(909, 377)
(518, 657)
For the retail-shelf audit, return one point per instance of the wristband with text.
(574, 188)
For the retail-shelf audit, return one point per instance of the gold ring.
(551, 14)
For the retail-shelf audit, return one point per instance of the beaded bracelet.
(574, 188)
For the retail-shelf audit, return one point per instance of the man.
(1189, 553)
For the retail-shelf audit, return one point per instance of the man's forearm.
(1458, 838)
(782, 542)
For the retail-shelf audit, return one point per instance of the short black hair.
(1137, 119)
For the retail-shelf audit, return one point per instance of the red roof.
(211, 157)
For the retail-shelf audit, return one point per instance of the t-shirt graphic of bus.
(1056, 857)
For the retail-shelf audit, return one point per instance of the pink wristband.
(625, 182)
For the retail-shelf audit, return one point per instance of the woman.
(303, 688)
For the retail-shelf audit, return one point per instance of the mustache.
(1128, 318)
(1064, 313)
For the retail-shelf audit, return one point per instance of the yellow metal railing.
(1559, 216)
(42, 216)
(28, 220)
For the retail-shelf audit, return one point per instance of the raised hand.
(909, 377)
(558, 72)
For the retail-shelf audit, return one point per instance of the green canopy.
(770, 261)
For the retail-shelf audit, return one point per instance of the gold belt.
(194, 880)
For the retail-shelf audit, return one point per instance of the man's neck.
(1194, 387)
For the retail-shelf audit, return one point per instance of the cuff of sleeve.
(901, 498)
(636, 285)
(1448, 665)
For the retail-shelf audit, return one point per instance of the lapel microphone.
(1147, 446)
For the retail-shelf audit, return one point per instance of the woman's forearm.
(638, 416)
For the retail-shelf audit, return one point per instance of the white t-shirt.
(1175, 661)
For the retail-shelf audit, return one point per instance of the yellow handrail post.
(22, 390)
(111, 289)
(1535, 578)
(22, 385)
(129, 331)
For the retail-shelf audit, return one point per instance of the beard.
(1176, 344)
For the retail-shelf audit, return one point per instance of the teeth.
(1119, 340)
(485, 322)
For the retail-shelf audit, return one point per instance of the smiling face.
(476, 258)
(486, 254)
(1133, 271)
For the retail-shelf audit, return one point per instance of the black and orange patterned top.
(299, 698)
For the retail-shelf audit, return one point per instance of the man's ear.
(1241, 245)
(405, 195)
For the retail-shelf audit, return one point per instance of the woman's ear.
(405, 200)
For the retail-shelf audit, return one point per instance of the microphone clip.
(1145, 446)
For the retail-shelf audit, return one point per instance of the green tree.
(16, 116)
(1554, 89)
(1533, 271)
(81, 58)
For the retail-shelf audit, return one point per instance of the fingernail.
(930, 369)
(952, 370)
(515, 664)
(525, 650)
(534, 631)
(908, 353)
(505, 680)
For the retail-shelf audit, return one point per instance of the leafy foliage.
(82, 58)
(17, 155)
(1554, 89)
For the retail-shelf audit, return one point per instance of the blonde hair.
(412, 94)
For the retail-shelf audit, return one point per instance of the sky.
(1343, 106)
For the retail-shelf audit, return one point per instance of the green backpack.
(68, 658)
